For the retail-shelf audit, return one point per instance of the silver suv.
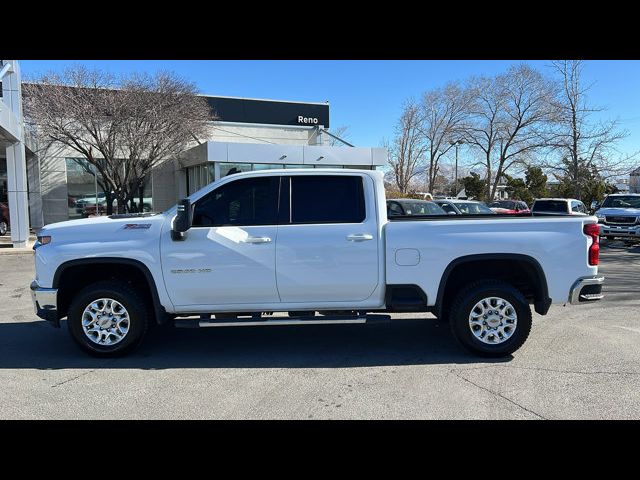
(619, 216)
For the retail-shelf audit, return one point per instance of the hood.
(101, 228)
(631, 212)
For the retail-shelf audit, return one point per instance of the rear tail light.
(593, 230)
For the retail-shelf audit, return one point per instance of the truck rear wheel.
(108, 319)
(490, 318)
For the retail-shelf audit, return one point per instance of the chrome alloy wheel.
(493, 320)
(105, 321)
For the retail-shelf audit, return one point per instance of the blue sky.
(367, 96)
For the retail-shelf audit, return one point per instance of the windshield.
(622, 202)
(557, 206)
(473, 208)
(422, 208)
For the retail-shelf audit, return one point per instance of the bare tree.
(407, 152)
(444, 112)
(123, 129)
(583, 143)
(340, 132)
(510, 117)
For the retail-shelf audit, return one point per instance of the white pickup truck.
(315, 243)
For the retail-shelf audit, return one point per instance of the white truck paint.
(370, 266)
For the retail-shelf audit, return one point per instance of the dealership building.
(49, 185)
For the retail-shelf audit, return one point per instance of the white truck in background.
(315, 243)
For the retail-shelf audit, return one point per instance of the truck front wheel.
(490, 318)
(108, 319)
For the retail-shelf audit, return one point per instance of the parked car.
(510, 207)
(82, 202)
(408, 206)
(619, 216)
(558, 206)
(464, 207)
(261, 241)
(4, 219)
(89, 209)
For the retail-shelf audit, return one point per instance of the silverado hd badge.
(134, 226)
(191, 270)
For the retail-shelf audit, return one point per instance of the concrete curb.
(16, 251)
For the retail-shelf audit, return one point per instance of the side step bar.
(252, 322)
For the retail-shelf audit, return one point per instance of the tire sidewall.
(130, 301)
(460, 320)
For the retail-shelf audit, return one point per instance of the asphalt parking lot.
(578, 363)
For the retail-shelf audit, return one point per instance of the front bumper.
(45, 303)
(586, 289)
(632, 231)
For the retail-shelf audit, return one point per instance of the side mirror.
(595, 205)
(183, 220)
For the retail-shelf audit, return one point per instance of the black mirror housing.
(182, 222)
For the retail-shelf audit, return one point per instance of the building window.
(267, 166)
(230, 168)
(198, 177)
(83, 189)
(3, 180)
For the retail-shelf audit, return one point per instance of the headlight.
(42, 240)
(600, 218)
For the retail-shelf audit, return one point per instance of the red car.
(510, 207)
(4, 218)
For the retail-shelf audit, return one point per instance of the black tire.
(124, 294)
(465, 301)
(3, 227)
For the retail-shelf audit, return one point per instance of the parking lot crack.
(497, 394)
(72, 379)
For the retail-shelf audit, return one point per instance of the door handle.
(359, 237)
(257, 240)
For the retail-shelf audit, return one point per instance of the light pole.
(456, 143)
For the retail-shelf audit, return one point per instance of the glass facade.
(85, 190)
(3, 180)
(199, 176)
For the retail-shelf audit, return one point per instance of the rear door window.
(327, 199)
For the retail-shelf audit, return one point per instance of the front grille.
(620, 220)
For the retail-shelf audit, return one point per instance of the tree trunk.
(109, 199)
(141, 195)
(495, 183)
(122, 203)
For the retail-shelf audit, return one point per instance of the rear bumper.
(586, 290)
(45, 303)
